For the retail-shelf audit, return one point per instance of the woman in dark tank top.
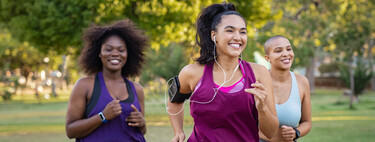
(105, 105)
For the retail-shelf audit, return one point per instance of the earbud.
(214, 39)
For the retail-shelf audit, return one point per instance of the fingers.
(112, 109)
(135, 118)
(288, 133)
(134, 108)
(258, 85)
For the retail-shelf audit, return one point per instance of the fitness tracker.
(298, 134)
(101, 115)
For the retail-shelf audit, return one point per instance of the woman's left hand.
(288, 133)
(136, 118)
(260, 94)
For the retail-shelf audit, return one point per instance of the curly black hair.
(95, 36)
(207, 21)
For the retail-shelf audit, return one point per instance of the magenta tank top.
(229, 117)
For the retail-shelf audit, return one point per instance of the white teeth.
(114, 61)
(235, 45)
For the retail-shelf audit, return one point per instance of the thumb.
(134, 108)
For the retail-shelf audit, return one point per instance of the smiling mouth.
(114, 61)
(235, 45)
(286, 61)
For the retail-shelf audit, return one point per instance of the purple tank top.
(116, 129)
(229, 117)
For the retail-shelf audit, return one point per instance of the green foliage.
(362, 75)
(332, 67)
(49, 25)
(165, 63)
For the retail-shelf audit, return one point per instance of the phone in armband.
(174, 92)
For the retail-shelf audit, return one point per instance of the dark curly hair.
(207, 21)
(95, 36)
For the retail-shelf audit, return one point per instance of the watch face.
(101, 116)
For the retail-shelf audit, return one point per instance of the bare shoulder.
(189, 77)
(191, 71)
(260, 71)
(302, 80)
(84, 85)
(138, 87)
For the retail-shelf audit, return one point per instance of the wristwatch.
(298, 134)
(101, 115)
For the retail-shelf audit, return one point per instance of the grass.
(23, 119)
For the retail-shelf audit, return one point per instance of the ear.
(212, 35)
(267, 58)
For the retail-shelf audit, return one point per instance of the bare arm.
(188, 78)
(76, 125)
(263, 93)
(305, 123)
(136, 118)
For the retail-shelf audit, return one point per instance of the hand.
(288, 133)
(135, 118)
(112, 110)
(179, 137)
(260, 94)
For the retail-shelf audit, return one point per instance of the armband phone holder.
(174, 92)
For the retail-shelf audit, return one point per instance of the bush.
(362, 75)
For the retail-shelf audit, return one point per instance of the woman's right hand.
(112, 110)
(179, 137)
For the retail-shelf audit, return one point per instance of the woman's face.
(231, 36)
(113, 53)
(280, 54)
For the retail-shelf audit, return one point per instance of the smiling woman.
(105, 103)
(232, 99)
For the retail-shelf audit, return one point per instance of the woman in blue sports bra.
(291, 92)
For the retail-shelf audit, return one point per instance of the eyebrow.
(282, 47)
(233, 27)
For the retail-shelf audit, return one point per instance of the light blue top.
(289, 113)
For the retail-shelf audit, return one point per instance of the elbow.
(69, 133)
(272, 132)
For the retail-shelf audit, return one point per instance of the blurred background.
(40, 43)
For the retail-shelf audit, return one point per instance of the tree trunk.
(351, 75)
(310, 71)
(369, 57)
(65, 63)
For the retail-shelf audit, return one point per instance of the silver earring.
(215, 39)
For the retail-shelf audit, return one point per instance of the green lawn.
(25, 120)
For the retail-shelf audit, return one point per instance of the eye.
(289, 49)
(230, 31)
(243, 32)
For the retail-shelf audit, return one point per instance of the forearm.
(304, 128)
(176, 120)
(83, 127)
(268, 123)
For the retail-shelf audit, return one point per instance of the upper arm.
(140, 95)
(189, 77)
(263, 76)
(303, 83)
(77, 100)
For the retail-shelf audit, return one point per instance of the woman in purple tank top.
(232, 99)
(105, 106)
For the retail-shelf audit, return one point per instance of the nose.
(236, 36)
(115, 53)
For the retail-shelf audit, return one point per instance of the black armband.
(174, 92)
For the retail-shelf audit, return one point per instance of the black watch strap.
(298, 134)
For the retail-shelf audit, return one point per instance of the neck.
(112, 75)
(228, 64)
(279, 75)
